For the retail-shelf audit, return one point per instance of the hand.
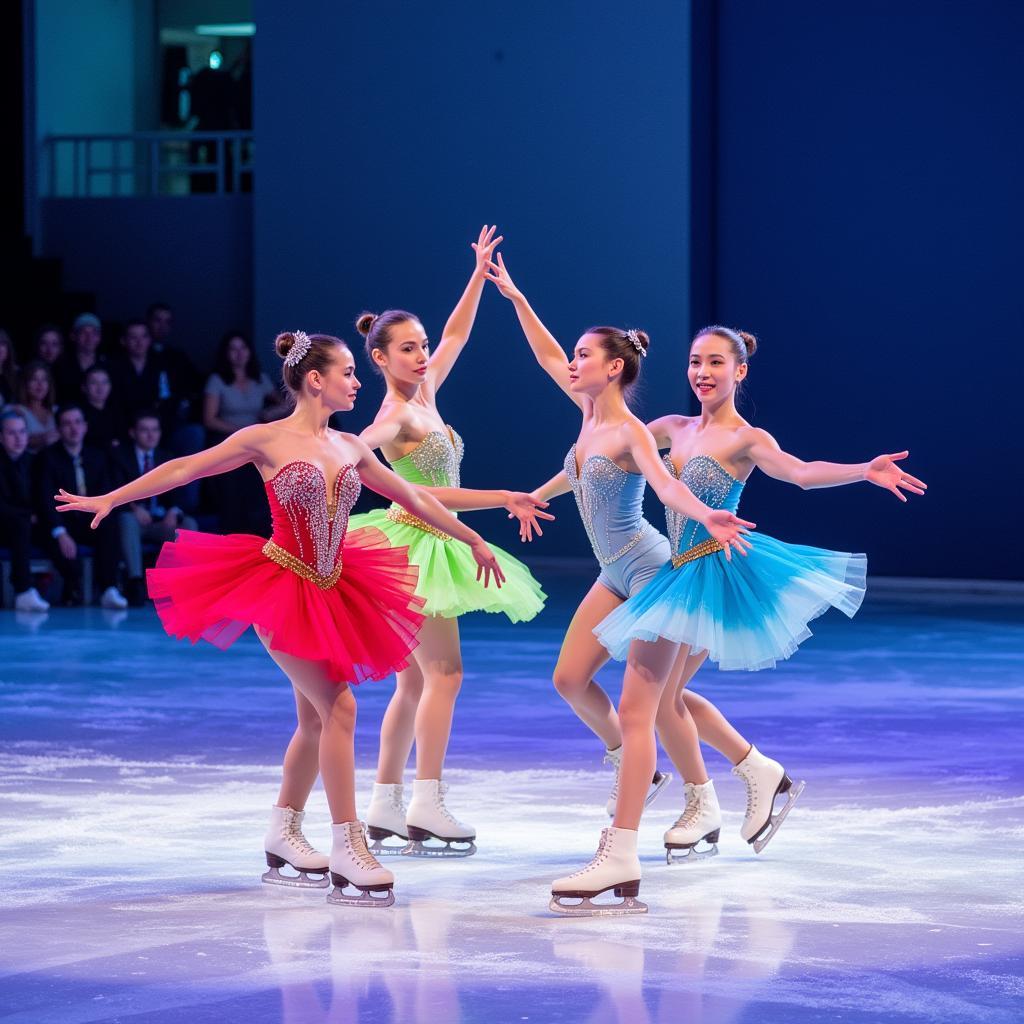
(497, 273)
(101, 505)
(67, 545)
(142, 515)
(486, 563)
(884, 472)
(729, 531)
(526, 508)
(484, 248)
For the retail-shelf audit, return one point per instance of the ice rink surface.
(136, 776)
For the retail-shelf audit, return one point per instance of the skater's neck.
(609, 406)
(311, 416)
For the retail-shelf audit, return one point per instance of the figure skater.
(423, 449)
(748, 615)
(332, 607)
(606, 470)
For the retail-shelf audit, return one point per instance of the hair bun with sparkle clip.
(293, 346)
(638, 340)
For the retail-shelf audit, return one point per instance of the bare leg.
(714, 728)
(336, 705)
(398, 728)
(302, 758)
(439, 659)
(647, 670)
(579, 660)
(676, 728)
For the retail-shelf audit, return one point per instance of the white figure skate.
(385, 819)
(658, 783)
(615, 866)
(353, 866)
(428, 818)
(695, 833)
(286, 846)
(30, 601)
(765, 779)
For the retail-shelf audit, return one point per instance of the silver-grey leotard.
(610, 501)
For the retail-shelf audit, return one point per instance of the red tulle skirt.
(213, 588)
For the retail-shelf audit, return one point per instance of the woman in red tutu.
(331, 607)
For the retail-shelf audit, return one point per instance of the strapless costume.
(610, 501)
(322, 592)
(447, 569)
(747, 613)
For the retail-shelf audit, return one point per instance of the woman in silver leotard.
(605, 469)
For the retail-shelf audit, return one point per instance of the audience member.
(68, 464)
(49, 344)
(106, 424)
(36, 401)
(136, 373)
(8, 369)
(16, 512)
(70, 369)
(239, 394)
(152, 520)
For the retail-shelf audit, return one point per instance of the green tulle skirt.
(447, 573)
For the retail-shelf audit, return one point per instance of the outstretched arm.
(549, 353)
(525, 507)
(726, 528)
(765, 453)
(426, 507)
(460, 323)
(243, 446)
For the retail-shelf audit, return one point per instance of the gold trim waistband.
(287, 560)
(706, 547)
(400, 515)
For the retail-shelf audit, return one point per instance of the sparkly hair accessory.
(634, 338)
(298, 350)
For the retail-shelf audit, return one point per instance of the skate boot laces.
(751, 783)
(694, 806)
(603, 849)
(616, 763)
(291, 832)
(357, 844)
(442, 789)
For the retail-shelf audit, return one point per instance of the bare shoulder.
(750, 437)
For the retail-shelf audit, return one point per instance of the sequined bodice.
(610, 502)
(308, 526)
(712, 485)
(434, 462)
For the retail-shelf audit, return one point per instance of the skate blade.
(587, 908)
(776, 819)
(419, 848)
(338, 898)
(300, 881)
(682, 856)
(379, 848)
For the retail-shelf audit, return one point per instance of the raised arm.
(460, 323)
(426, 507)
(243, 446)
(765, 453)
(726, 528)
(549, 353)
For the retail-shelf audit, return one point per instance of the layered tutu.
(748, 613)
(447, 573)
(362, 627)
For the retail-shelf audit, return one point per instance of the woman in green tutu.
(423, 449)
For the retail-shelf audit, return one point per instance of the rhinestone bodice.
(710, 483)
(610, 502)
(434, 462)
(309, 526)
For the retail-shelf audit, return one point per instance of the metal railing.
(147, 164)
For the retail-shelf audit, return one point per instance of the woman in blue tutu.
(751, 612)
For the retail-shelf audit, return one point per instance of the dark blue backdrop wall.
(856, 204)
(869, 222)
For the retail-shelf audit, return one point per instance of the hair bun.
(645, 340)
(750, 341)
(283, 343)
(364, 322)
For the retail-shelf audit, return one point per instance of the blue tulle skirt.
(748, 613)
